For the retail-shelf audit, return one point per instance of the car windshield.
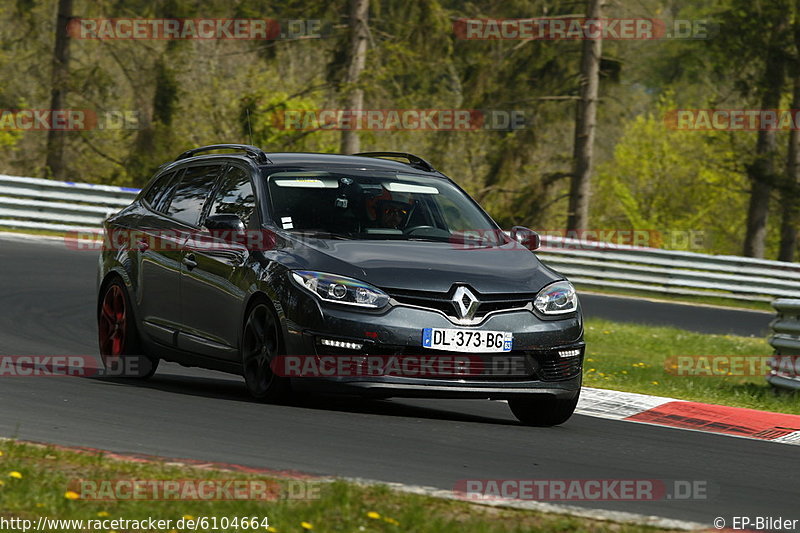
(373, 206)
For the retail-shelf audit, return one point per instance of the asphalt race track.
(48, 292)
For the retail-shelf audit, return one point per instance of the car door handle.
(190, 261)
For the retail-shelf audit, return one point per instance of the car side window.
(235, 196)
(192, 192)
(158, 190)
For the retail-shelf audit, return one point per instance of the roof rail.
(413, 160)
(252, 151)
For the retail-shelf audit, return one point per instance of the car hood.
(427, 266)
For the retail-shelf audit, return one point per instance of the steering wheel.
(412, 229)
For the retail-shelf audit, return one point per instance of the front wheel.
(543, 410)
(261, 344)
(120, 348)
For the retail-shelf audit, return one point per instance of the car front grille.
(443, 301)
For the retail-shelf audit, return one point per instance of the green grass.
(680, 298)
(44, 475)
(631, 357)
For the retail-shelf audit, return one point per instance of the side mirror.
(225, 222)
(526, 237)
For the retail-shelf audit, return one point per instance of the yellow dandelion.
(103, 514)
(1, 454)
(391, 521)
(272, 529)
(306, 525)
(624, 371)
(112, 531)
(15, 475)
(71, 495)
(373, 515)
(40, 505)
(590, 360)
(2, 482)
(606, 332)
(654, 382)
(591, 370)
(188, 517)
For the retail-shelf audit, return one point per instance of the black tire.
(118, 337)
(543, 410)
(261, 343)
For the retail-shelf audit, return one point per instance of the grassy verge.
(36, 481)
(679, 298)
(631, 357)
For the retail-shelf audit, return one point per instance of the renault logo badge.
(466, 303)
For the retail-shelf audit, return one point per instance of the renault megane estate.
(371, 274)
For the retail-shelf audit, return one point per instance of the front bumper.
(398, 332)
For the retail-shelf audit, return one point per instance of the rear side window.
(192, 192)
(159, 190)
(235, 196)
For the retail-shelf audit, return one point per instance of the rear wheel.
(120, 348)
(261, 344)
(543, 410)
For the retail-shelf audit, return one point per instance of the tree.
(58, 92)
(761, 171)
(357, 57)
(682, 185)
(790, 191)
(585, 123)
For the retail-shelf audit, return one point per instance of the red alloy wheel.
(113, 318)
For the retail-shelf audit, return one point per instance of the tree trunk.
(790, 193)
(762, 171)
(357, 56)
(585, 123)
(790, 197)
(58, 91)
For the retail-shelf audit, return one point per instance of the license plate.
(466, 340)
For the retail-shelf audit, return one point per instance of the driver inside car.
(393, 215)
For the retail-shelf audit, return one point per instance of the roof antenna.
(249, 127)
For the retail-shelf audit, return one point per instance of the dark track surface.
(703, 319)
(47, 308)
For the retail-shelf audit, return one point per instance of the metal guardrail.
(32, 203)
(785, 339)
(597, 264)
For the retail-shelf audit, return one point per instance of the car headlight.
(340, 290)
(556, 299)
